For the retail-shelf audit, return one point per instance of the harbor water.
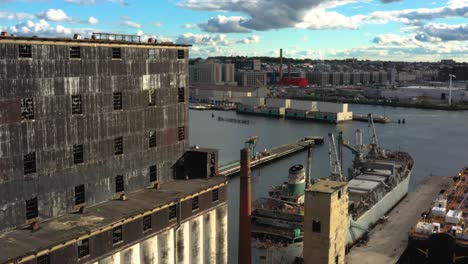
(436, 139)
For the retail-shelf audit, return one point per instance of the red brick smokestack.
(245, 210)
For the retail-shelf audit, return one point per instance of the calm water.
(437, 140)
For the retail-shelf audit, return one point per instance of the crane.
(251, 143)
(335, 166)
(374, 147)
(357, 150)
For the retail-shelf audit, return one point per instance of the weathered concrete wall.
(181, 244)
(50, 77)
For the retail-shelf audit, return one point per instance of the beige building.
(251, 78)
(211, 72)
(325, 222)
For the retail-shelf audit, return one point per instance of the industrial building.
(251, 78)
(218, 94)
(211, 72)
(325, 222)
(95, 163)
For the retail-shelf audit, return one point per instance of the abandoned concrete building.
(95, 164)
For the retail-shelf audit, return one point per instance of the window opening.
(153, 172)
(29, 161)
(79, 194)
(27, 108)
(119, 183)
(75, 52)
(118, 146)
(24, 51)
(76, 105)
(31, 208)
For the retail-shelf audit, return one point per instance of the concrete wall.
(50, 77)
(202, 239)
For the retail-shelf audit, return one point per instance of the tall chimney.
(245, 210)
(281, 65)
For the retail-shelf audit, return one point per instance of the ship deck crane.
(251, 143)
(335, 165)
(375, 150)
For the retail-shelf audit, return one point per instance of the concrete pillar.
(183, 244)
(209, 237)
(149, 251)
(221, 234)
(114, 259)
(131, 254)
(196, 240)
(165, 245)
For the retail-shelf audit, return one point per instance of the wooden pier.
(264, 157)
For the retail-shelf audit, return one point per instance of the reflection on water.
(436, 139)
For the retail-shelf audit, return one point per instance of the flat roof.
(86, 42)
(363, 185)
(232, 88)
(56, 231)
(326, 186)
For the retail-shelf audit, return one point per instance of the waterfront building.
(251, 78)
(92, 136)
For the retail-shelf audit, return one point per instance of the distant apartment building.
(248, 65)
(335, 78)
(345, 78)
(374, 77)
(365, 78)
(392, 75)
(251, 78)
(211, 72)
(355, 78)
(321, 79)
(91, 144)
(383, 77)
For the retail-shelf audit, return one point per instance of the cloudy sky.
(409, 30)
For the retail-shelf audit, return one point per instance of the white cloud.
(56, 15)
(249, 40)
(81, 2)
(203, 39)
(319, 18)
(125, 21)
(93, 20)
(223, 24)
(15, 16)
(43, 28)
(190, 26)
(156, 24)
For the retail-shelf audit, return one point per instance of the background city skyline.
(317, 29)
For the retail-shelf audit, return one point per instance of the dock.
(388, 241)
(264, 157)
(377, 119)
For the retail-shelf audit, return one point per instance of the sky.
(397, 30)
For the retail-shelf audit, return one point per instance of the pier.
(365, 118)
(388, 241)
(264, 157)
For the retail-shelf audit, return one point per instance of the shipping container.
(303, 105)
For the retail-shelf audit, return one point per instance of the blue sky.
(408, 30)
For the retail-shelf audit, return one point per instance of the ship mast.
(335, 165)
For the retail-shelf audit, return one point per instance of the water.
(436, 139)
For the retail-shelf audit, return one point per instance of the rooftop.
(65, 229)
(227, 88)
(96, 39)
(326, 186)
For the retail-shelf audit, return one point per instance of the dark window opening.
(116, 53)
(181, 133)
(27, 108)
(339, 194)
(76, 105)
(172, 212)
(212, 164)
(44, 259)
(215, 195)
(181, 93)
(78, 154)
(118, 146)
(118, 101)
(147, 223)
(31, 208)
(152, 98)
(152, 139)
(316, 226)
(119, 183)
(337, 259)
(153, 172)
(83, 248)
(117, 236)
(79, 194)
(29, 161)
(75, 52)
(151, 54)
(195, 205)
(180, 54)
(24, 51)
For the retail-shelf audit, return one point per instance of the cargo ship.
(377, 181)
(441, 235)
